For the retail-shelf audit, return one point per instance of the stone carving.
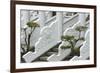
(84, 50)
(52, 27)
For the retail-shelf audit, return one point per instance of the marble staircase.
(47, 46)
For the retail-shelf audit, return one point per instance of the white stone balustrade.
(26, 16)
(41, 46)
(42, 18)
(47, 36)
(48, 15)
(59, 19)
(50, 35)
(70, 31)
(70, 22)
(85, 49)
(50, 20)
(82, 18)
(62, 53)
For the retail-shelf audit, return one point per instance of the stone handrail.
(54, 18)
(41, 46)
(84, 50)
(47, 37)
(62, 53)
(65, 52)
(70, 21)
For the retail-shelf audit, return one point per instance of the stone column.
(49, 15)
(25, 17)
(82, 18)
(42, 18)
(59, 18)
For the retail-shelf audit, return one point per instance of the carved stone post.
(59, 22)
(49, 15)
(42, 18)
(25, 17)
(82, 18)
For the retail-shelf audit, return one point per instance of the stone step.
(68, 57)
(50, 53)
(55, 49)
(46, 54)
(44, 58)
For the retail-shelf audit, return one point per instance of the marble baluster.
(59, 18)
(25, 17)
(49, 15)
(42, 18)
(82, 18)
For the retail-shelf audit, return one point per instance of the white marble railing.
(56, 26)
(50, 20)
(41, 45)
(65, 52)
(85, 49)
(47, 36)
(29, 16)
(62, 53)
(70, 22)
